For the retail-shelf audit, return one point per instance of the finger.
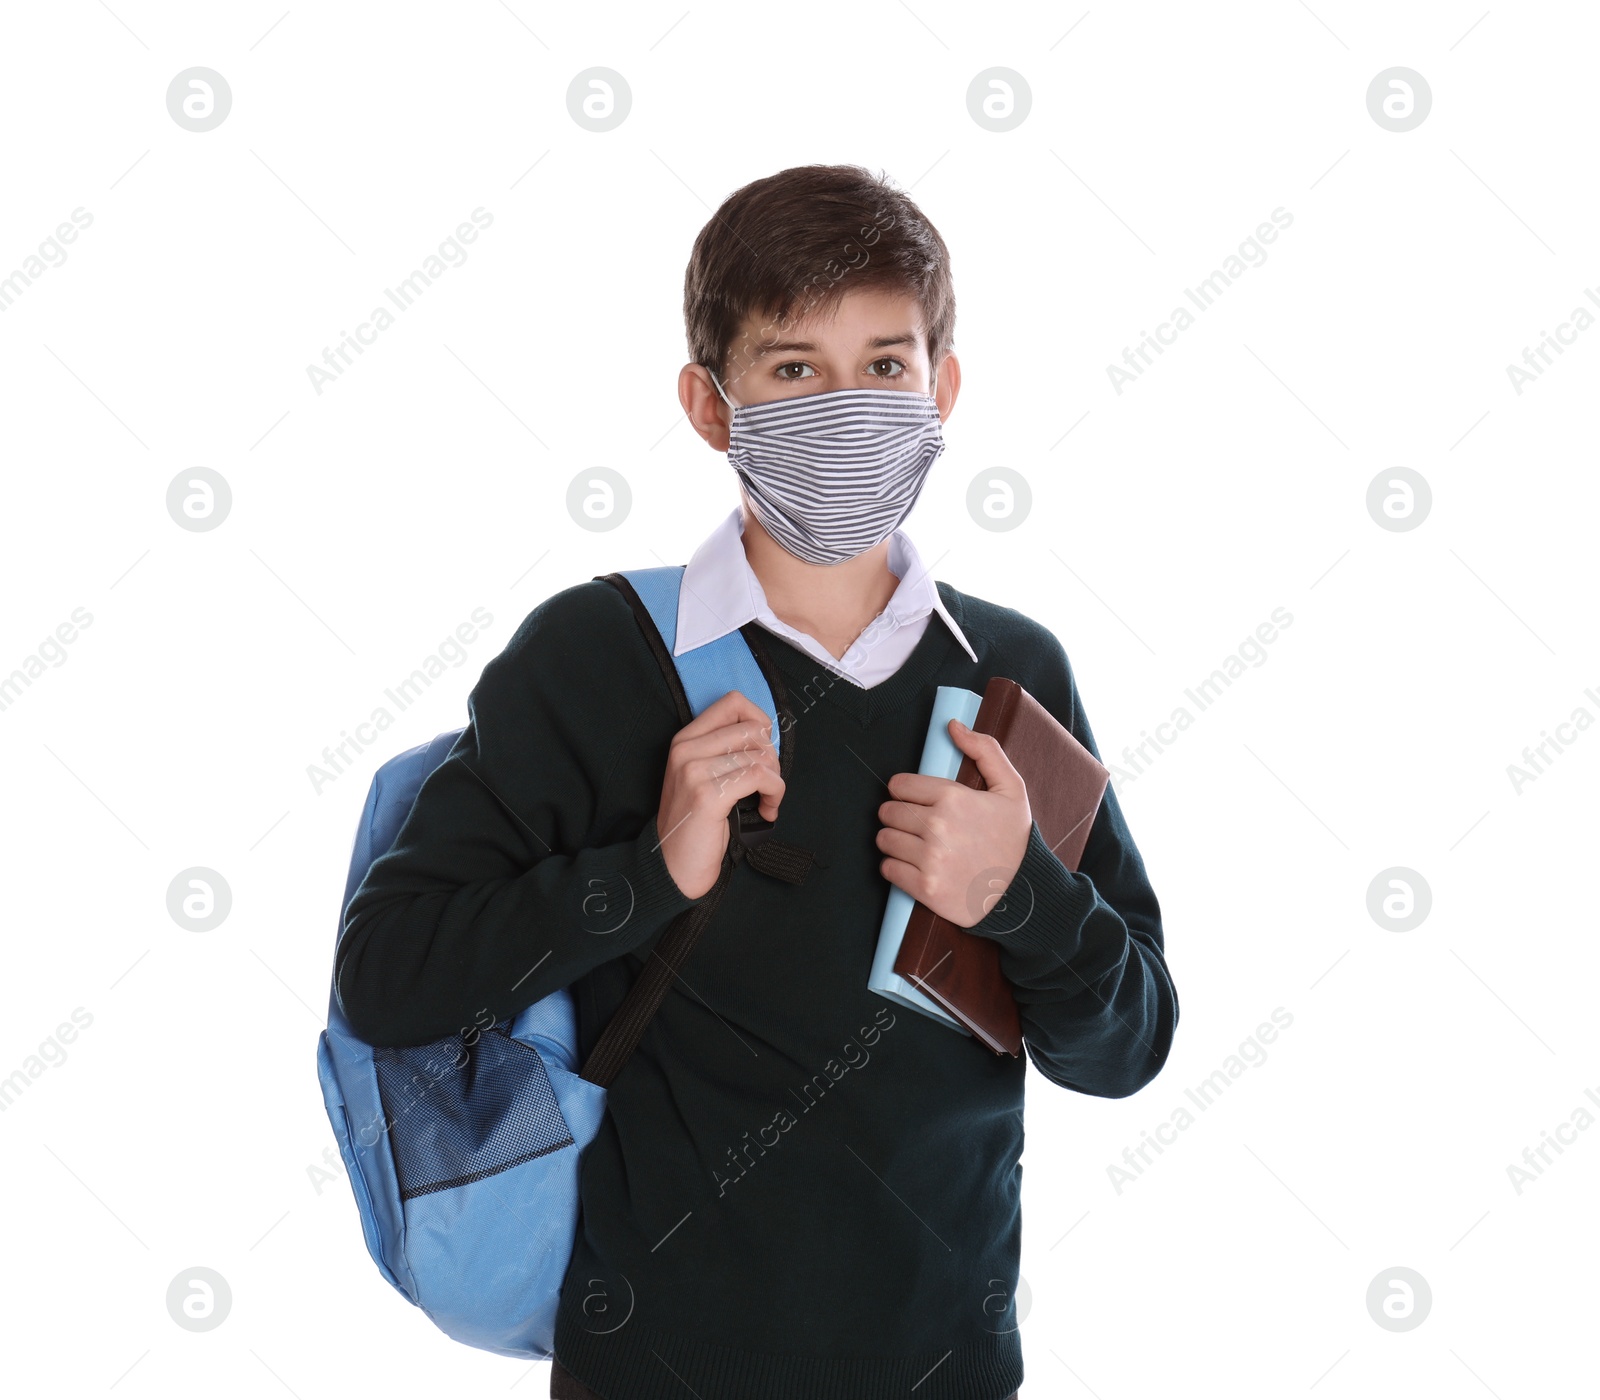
(996, 770)
(720, 768)
(902, 845)
(730, 708)
(907, 877)
(752, 739)
(904, 816)
(724, 787)
(921, 788)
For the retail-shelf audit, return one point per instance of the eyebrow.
(806, 347)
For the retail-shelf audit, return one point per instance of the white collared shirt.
(721, 593)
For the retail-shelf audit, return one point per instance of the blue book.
(942, 759)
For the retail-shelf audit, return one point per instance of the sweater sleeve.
(1084, 950)
(511, 877)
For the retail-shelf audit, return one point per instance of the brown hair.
(789, 244)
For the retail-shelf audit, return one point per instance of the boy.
(799, 1189)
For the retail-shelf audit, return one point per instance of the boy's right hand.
(721, 755)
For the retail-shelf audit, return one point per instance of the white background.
(369, 521)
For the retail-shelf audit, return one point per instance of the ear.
(947, 384)
(703, 406)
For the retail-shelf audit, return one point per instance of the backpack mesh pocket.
(458, 1113)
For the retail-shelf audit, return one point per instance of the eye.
(894, 373)
(781, 371)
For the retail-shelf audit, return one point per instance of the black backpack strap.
(748, 839)
(783, 860)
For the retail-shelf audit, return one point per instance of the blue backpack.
(464, 1153)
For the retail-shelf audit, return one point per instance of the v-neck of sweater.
(865, 704)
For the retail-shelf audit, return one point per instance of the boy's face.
(872, 338)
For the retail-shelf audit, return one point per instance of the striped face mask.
(831, 475)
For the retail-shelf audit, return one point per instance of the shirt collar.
(721, 592)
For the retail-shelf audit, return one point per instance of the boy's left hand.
(952, 847)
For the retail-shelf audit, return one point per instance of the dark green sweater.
(800, 1189)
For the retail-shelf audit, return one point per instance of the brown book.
(956, 968)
